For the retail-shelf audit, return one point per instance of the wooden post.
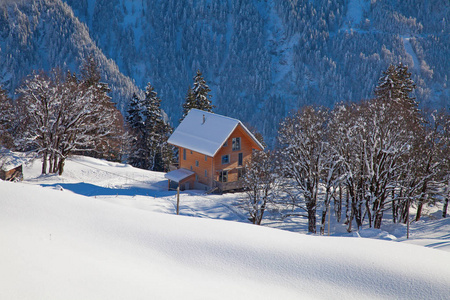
(178, 199)
(168, 186)
(329, 217)
(407, 219)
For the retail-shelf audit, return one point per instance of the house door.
(186, 186)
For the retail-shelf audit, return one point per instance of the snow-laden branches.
(63, 114)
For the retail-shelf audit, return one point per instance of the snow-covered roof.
(205, 132)
(179, 174)
(10, 160)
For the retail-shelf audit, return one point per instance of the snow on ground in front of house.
(127, 186)
(109, 231)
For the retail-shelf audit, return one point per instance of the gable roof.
(205, 132)
(10, 160)
(178, 174)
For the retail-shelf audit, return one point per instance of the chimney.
(204, 119)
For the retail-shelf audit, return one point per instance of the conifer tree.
(150, 149)
(198, 96)
(6, 119)
(135, 120)
(395, 87)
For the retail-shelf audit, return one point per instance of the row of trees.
(370, 157)
(59, 114)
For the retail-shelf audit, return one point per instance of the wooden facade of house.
(216, 150)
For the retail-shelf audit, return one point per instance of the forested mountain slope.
(45, 34)
(264, 58)
(261, 58)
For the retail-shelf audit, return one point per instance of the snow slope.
(57, 244)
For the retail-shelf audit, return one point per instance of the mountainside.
(45, 34)
(260, 58)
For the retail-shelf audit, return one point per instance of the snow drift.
(59, 245)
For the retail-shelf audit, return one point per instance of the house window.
(225, 159)
(184, 154)
(191, 168)
(196, 177)
(241, 172)
(206, 157)
(236, 144)
(223, 176)
(191, 151)
(240, 159)
(196, 163)
(225, 144)
(206, 173)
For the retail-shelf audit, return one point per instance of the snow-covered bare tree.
(108, 146)
(62, 115)
(303, 152)
(260, 181)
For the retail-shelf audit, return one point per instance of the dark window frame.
(240, 159)
(223, 176)
(227, 156)
(236, 144)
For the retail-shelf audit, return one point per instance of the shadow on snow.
(87, 189)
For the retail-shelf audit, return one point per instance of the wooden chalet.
(213, 151)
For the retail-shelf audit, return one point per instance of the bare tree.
(62, 115)
(303, 155)
(260, 182)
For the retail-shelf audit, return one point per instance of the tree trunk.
(369, 213)
(44, 163)
(61, 166)
(444, 209)
(311, 207)
(261, 213)
(338, 205)
(421, 201)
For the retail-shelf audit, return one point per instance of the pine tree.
(134, 113)
(150, 149)
(135, 120)
(198, 97)
(395, 87)
(189, 103)
(6, 119)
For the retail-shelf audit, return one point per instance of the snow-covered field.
(109, 231)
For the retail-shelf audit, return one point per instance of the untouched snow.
(356, 10)
(57, 243)
(410, 51)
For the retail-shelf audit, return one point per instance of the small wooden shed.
(11, 165)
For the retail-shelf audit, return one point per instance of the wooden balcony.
(229, 186)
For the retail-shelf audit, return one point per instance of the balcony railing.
(228, 186)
